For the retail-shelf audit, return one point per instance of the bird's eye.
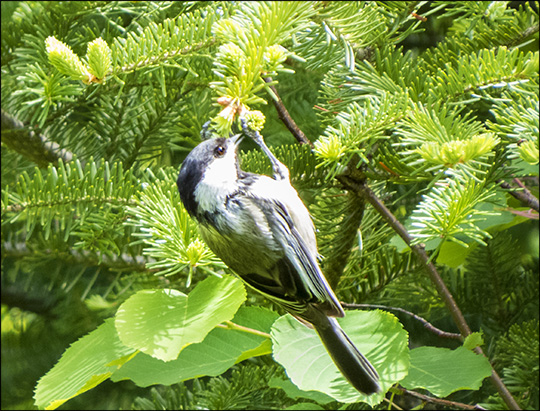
(219, 151)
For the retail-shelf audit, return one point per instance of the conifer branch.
(524, 34)
(522, 194)
(167, 55)
(124, 262)
(34, 145)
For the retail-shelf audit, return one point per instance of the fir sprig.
(448, 213)
(252, 52)
(355, 135)
(66, 195)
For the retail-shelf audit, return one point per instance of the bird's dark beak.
(236, 140)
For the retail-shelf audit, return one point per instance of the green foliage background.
(433, 104)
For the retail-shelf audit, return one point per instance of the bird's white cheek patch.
(219, 180)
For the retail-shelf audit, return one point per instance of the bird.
(260, 228)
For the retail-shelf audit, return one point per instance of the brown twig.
(427, 324)
(522, 194)
(31, 144)
(286, 118)
(450, 404)
(524, 34)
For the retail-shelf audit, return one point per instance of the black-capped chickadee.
(261, 229)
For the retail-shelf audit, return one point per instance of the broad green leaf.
(399, 243)
(454, 254)
(473, 340)
(162, 323)
(377, 334)
(263, 349)
(294, 392)
(305, 406)
(401, 246)
(525, 169)
(85, 364)
(219, 351)
(500, 218)
(442, 371)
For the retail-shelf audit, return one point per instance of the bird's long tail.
(353, 365)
